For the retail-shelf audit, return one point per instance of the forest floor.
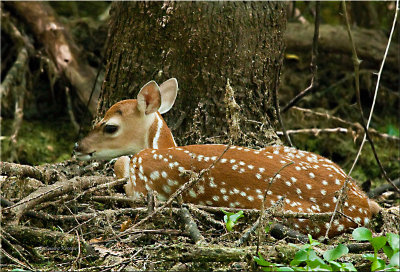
(74, 216)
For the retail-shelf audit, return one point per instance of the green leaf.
(261, 261)
(388, 251)
(318, 263)
(348, 267)
(336, 253)
(377, 264)
(312, 256)
(299, 257)
(229, 225)
(235, 217)
(362, 234)
(393, 240)
(313, 242)
(378, 242)
(335, 266)
(395, 259)
(268, 227)
(284, 268)
(369, 257)
(230, 219)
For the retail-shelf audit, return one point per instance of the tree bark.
(202, 44)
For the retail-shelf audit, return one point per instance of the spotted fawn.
(304, 182)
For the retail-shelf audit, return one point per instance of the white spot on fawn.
(155, 175)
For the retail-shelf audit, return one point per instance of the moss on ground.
(39, 142)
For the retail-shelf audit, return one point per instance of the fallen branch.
(52, 191)
(191, 226)
(107, 185)
(13, 169)
(279, 231)
(53, 240)
(299, 38)
(383, 188)
(98, 214)
(116, 198)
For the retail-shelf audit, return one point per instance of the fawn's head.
(130, 126)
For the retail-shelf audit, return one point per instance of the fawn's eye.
(110, 129)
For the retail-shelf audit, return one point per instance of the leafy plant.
(306, 259)
(230, 219)
(389, 244)
(306, 255)
(268, 266)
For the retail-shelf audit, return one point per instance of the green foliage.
(392, 130)
(306, 259)
(268, 266)
(389, 244)
(230, 219)
(39, 141)
(362, 234)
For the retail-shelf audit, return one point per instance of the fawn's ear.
(149, 98)
(169, 90)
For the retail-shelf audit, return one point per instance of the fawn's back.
(306, 182)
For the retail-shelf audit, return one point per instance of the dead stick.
(52, 191)
(191, 226)
(314, 67)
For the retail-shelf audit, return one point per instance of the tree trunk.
(203, 45)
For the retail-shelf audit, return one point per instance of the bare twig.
(315, 131)
(70, 110)
(79, 251)
(13, 247)
(356, 63)
(340, 120)
(117, 199)
(15, 260)
(314, 67)
(264, 199)
(205, 215)
(276, 104)
(107, 185)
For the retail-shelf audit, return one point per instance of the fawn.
(309, 184)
